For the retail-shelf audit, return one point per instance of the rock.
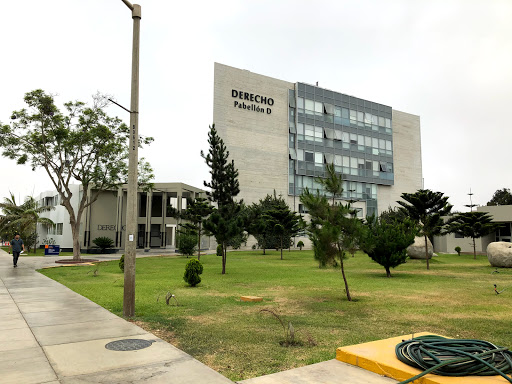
(499, 254)
(417, 250)
(434, 254)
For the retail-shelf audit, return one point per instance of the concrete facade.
(260, 120)
(106, 217)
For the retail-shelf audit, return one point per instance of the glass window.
(319, 108)
(345, 137)
(383, 167)
(291, 141)
(375, 120)
(293, 154)
(368, 141)
(382, 122)
(376, 166)
(329, 109)
(319, 159)
(346, 161)
(360, 140)
(291, 127)
(310, 130)
(367, 118)
(337, 111)
(300, 128)
(310, 105)
(291, 101)
(375, 142)
(59, 228)
(368, 165)
(390, 167)
(344, 113)
(353, 115)
(360, 116)
(309, 156)
(382, 144)
(300, 102)
(353, 162)
(353, 138)
(338, 135)
(319, 133)
(388, 123)
(388, 146)
(173, 202)
(337, 160)
(300, 154)
(329, 133)
(329, 158)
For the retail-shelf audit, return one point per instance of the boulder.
(499, 254)
(417, 249)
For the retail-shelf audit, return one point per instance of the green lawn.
(455, 298)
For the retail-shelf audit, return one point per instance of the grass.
(455, 298)
(39, 252)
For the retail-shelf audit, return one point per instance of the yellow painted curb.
(251, 298)
(379, 357)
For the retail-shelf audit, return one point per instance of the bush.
(458, 249)
(300, 244)
(187, 243)
(121, 263)
(192, 271)
(219, 250)
(103, 243)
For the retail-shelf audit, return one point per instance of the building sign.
(256, 103)
(106, 227)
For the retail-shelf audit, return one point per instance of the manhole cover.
(128, 345)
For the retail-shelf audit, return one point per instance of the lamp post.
(131, 205)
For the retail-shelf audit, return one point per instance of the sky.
(447, 61)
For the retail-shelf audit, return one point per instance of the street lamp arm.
(128, 4)
(135, 8)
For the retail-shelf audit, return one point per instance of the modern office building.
(281, 135)
(107, 216)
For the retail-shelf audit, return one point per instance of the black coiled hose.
(454, 357)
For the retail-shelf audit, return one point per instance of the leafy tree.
(386, 241)
(81, 144)
(23, 219)
(501, 197)
(300, 244)
(187, 238)
(225, 222)
(458, 249)
(197, 210)
(103, 242)
(426, 209)
(283, 222)
(471, 224)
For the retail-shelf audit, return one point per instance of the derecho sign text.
(251, 97)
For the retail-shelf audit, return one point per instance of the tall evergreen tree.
(426, 208)
(471, 224)
(225, 222)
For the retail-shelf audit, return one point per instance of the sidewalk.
(50, 334)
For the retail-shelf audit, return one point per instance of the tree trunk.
(474, 249)
(199, 243)
(388, 272)
(349, 298)
(75, 231)
(224, 254)
(426, 251)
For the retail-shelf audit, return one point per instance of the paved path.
(50, 334)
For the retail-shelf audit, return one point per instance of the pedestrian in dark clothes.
(17, 246)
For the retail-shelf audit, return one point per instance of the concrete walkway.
(50, 334)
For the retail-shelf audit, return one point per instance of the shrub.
(192, 271)
(187, 243)
(121, 263)
(103, 243)
(458, 249)
(219, 250)
(300, 244)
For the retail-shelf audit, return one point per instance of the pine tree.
(197, 210)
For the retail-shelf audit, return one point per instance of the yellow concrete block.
(251, 298)
(379, 357)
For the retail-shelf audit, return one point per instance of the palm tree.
(471, 224)
(22, 218)
(426, 208)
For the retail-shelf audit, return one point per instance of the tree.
(328, 223)
(23, 219)
(386, 241)
(197, 210)
(225, 221)
(501, 197)
(471, 224)
(426, 209)
(283, 222)
(187, 238)
(81, 144)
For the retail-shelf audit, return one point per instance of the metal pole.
(131, 206)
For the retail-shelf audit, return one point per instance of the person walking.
(17, 246)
